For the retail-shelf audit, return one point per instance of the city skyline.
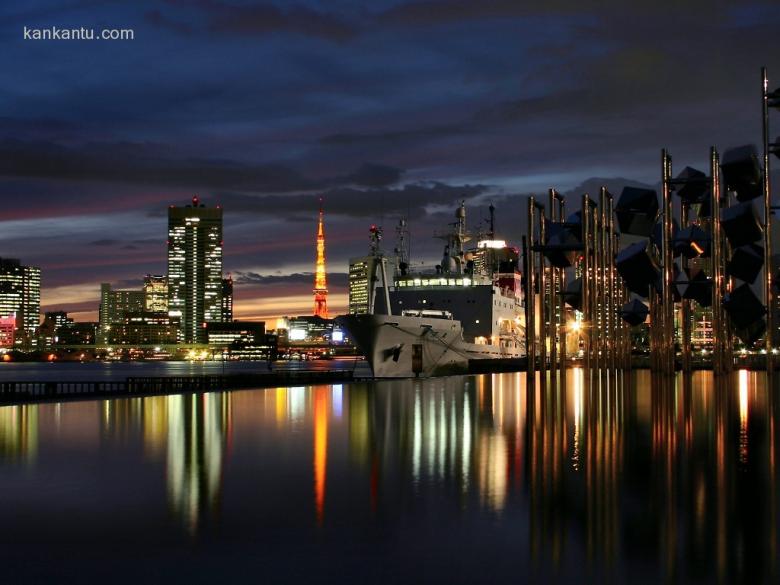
(402, 108)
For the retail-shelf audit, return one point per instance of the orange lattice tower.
(320, 276)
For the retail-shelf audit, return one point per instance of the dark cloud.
(146, 163)
(337, 279)
(257, 19)
(103, 242)
(410, 200)
(373, 175)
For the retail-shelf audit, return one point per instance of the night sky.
(384, 108)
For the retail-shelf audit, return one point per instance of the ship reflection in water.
(466, 478)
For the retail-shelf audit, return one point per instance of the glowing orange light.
(699, 250)
(6, 358)
(320, 449)
(320, 275)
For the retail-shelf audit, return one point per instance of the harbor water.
(463, 479)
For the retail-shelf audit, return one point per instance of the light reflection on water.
(607, 477)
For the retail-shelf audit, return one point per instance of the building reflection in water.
(321, 396)
(19, 434)
(674, 475)
(199, 428)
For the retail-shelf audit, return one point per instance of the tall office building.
(114, 306)
(227, 299)
(156, 293)
(194, 268)
(20, 295)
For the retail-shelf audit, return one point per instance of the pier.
(12, 392)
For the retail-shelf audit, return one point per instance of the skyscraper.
(156, 293)
(20, 295)
(227, 299)
(320, 275)
(194, 268)
(114, 306)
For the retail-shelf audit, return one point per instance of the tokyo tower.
(320, 277)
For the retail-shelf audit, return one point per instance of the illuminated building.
(242, 340)
(361, 271)
(156, 293)
(114, 305)
(54, 327)
(144, 328)
(237, 332)
(7, 329)
(227, 299)
(311, 328)
(20, 295)
(194, 268)
(320, 276)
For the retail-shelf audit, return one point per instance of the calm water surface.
(463, 479)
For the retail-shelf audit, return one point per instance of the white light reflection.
(337, 397)
(578, 397)
(466, 448)
(417, 441)
(743, 415)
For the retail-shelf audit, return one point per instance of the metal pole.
(586, 316)
(667, 301)
(530, 298)
(553, 328)
(542, 299)
(686, 303)
(561, 302)
(611, 310)
(718, 332)
(768, 293)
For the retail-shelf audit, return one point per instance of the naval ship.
(432, 323)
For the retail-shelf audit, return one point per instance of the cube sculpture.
(695, 187)
(563, 245)
(743, 306)
(753, 332)
(693, 284)
(572, 294)
(634, 312)
(746, 262)
(636, 211)
(658, 234)
(638, 267)
(742, 173)
(740, 224)
(692, 242)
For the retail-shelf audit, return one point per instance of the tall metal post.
(586, 278)
(542, 296)
(667, 300)
(554, 283)
(530, 299)
(561, 303)
(768, 293)
(718, 329)
(686, 303)
(611, 309)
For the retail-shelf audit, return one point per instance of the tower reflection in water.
(674, 475)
